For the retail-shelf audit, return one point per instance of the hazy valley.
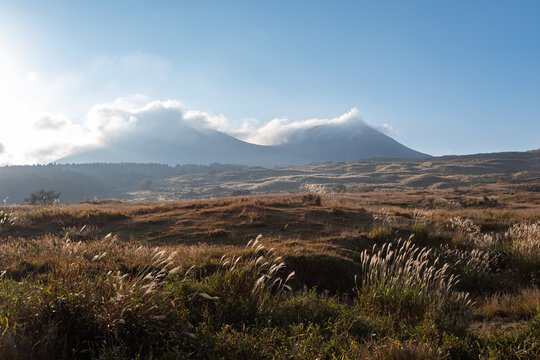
(517, 171)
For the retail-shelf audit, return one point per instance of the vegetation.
(190, 280)
(338, 188)
(6, 220)
(86, 181)
(481, 181)
(311, 199)
(43, 197)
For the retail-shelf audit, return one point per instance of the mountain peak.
(182, 144)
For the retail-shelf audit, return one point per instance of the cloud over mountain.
(134, 120)
(280, 131)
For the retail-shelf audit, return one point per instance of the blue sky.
(449, 77)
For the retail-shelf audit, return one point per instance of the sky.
(442, 77)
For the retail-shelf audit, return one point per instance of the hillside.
(517, 170)
(78, 182)
(181, 279)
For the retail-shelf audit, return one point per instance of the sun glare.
(15, 105)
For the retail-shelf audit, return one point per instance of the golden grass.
(402, 266)
(521, 305)
(64, 252)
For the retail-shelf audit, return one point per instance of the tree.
(43, 197)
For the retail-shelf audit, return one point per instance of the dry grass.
(525, 239)
(403, 280)
(175, 279)
(521, 305)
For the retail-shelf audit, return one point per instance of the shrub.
(43, 197)
(380, 234)
(311, 199)
(420, 231)
(335, 209)
(324, 311)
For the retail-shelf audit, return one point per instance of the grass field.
(377, 275)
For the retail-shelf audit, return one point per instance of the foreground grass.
(442, 294)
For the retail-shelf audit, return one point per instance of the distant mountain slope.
(184, 144)
(512, 171)
(345, 144)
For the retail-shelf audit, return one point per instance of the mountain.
(345, 143)
(184, 144)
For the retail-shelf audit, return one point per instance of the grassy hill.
(379, 275)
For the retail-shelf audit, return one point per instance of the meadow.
(420, 274)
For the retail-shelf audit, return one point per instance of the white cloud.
(201, 119)
(281, 131)
(387, 129)
(52, 136)
(51, 122)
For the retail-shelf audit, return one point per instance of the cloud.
(111, 122)
(51, 122)
(201, 119)
(387, 129)
(163, 118)
(53, 136)
(45, 116)
(281, 131)
(42, 138)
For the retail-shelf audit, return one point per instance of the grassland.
(424, 274)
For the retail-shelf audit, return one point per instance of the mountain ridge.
(186, 145)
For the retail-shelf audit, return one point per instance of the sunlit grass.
(74, 291)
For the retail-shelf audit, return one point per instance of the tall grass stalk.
(402, 280)
(258, 271)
